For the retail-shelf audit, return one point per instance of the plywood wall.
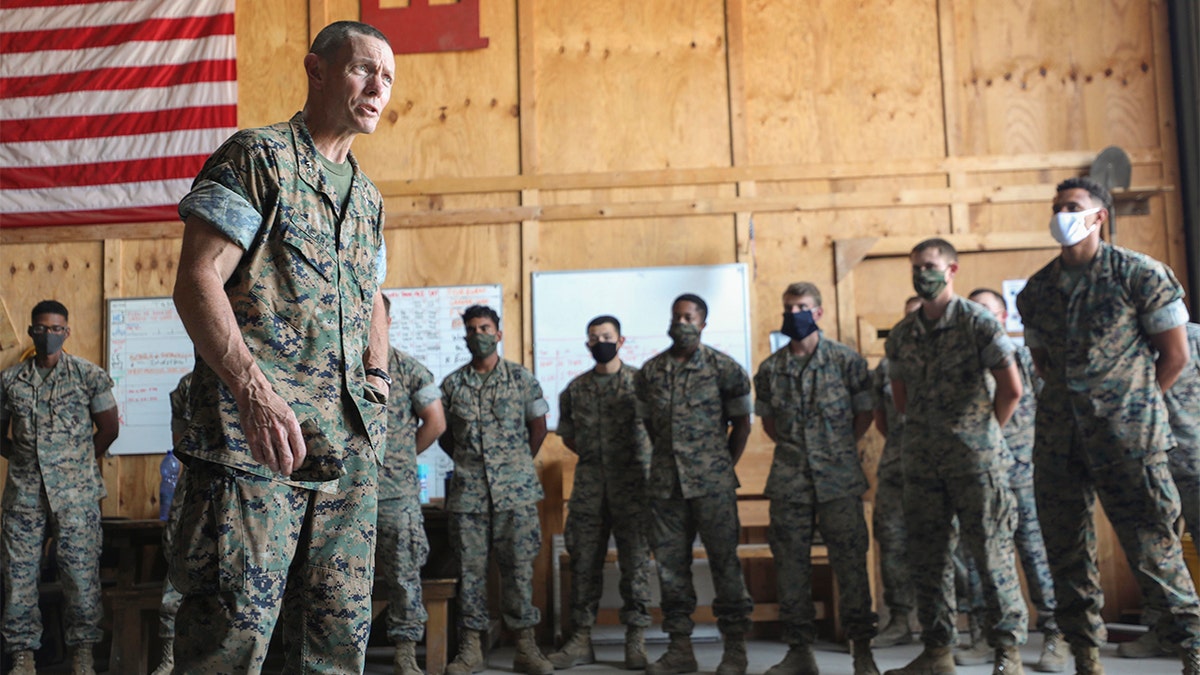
(655, 132)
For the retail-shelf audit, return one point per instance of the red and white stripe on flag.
(109, 109)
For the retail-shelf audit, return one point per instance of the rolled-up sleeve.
(224, 209)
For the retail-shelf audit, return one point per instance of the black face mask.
(798, 325)
(46, 344)
(604, 352)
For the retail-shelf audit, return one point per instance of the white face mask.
(1068, 227)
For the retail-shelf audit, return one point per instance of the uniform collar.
(308, 164)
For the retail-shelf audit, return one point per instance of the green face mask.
(929, 283)
(684, 335)
(481, 345)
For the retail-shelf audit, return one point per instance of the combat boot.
(529, 658)
(931, 661)
(23, 663)
(470, 655)
(166, 666)
(1008, 662)
(733, 661)
(1054, 653)
(577, 650)
(798, 661)
(864, 660)
(405, 662)
(635, 648)
(1147, 646)
(977, 653)
(1191, 662)
(679, 658)
(896, 632)
(1087, 660)
(81, 660)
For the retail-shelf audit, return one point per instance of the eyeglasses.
(38, 329)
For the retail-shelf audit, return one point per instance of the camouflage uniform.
(888, 516)
(692, 485)
(403, 547)
(817, 479)
(180, 417)
(1031, 547)
(1183, 408)
(249, 542)
(53, 480)
(599, 414)
(955, 463)
(495, 489)
(1102, 428)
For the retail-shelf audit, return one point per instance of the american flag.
(109, 109)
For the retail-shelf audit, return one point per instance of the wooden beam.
(733, 174)
(987, 194)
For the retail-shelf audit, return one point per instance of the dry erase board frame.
(147, 350)
(640, 298)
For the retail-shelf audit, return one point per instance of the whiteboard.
(148, 350)
(427, 324)
(564, 303)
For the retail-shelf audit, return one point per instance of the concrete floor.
(832, 659)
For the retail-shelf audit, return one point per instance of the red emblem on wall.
(421, 28)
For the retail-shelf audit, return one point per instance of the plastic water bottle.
(423, 482)
(169, 470)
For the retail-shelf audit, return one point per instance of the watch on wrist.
(381, 374)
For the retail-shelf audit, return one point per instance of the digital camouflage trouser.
(515, 538)
(844, 530)
(586, 537)
(250, 552)
(675, 525)
(77, 536)
(986, 512)
(400, 554)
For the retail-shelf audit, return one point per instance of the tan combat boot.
(864, 660)
(23, 663)
(733, 661)
(896, 632)
(81, 660)
(978, 651)
(529, 658)
(577, 650)
(798, 661)
(1087, 660)
(931, 661)
(1191, 662)
(1054, 653)
(166, 666)
(635, 648)
(470, 655)
(1148, 646)
(405, 662)
(1008, 662)
(679, 658)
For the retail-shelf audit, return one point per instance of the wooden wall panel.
(624, 86)
(819, 88)
(1069, 74)
(272, 39)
